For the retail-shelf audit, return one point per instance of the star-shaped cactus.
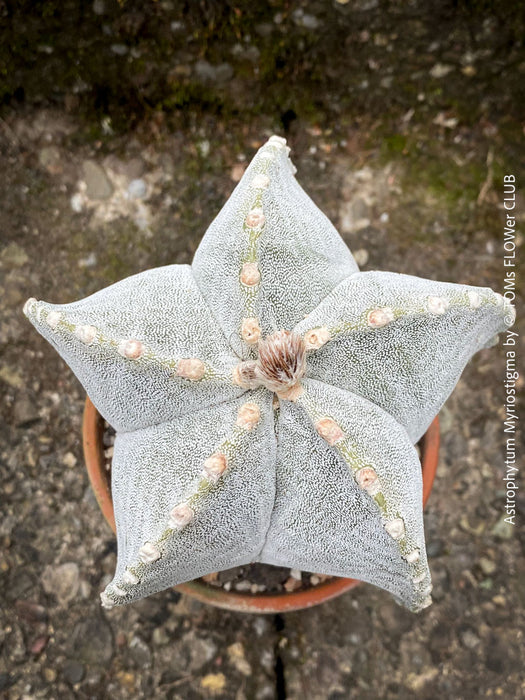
(267, 399)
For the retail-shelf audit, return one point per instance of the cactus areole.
(268, 397)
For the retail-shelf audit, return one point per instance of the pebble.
(214, 682)
(85, 589)
(238, 659)
(160, 637)
(302, 19)
(73, 672)
(77, 202)
(260, 625)
(361, 256)
(209, 73)
(25, 411)
(487, 566)
(137, 189)
(237, 172)
(355, 215)
(503, 530)
(69, 460)
(15, 644)
(61, 581)
(119, 49)
(98, 185)
(417, 681)
(201, 650)
(50, 675)
(469, 639)
(140, 652)
(127, 681)
(435, 548)
(440, 70)
(49, 159)
(10, 376)
(204, 148)
(91, 641)
(469, 71)
(291, 584)
(89, 261)
(133, 168)
(242, 586)
(264, 29)
(30, 612)
(39, 644)
(14, 255)
(500, 600)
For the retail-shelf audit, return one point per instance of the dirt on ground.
(124, 128)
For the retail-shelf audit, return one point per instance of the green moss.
(394, 144)
(58, 49)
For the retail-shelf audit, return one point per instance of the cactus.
(267, 399)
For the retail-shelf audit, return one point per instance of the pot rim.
(232, 600)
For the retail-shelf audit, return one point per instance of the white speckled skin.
(410, 366)
(157, 352)
(301, 256)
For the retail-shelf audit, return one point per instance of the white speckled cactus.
(302, 453)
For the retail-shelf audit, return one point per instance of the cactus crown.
(210, 471)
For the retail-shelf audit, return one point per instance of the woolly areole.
(210, 471)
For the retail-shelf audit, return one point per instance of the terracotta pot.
(93, 429)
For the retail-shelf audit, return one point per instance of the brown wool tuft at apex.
(292, 393)
(245, 375)
(282, 361)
